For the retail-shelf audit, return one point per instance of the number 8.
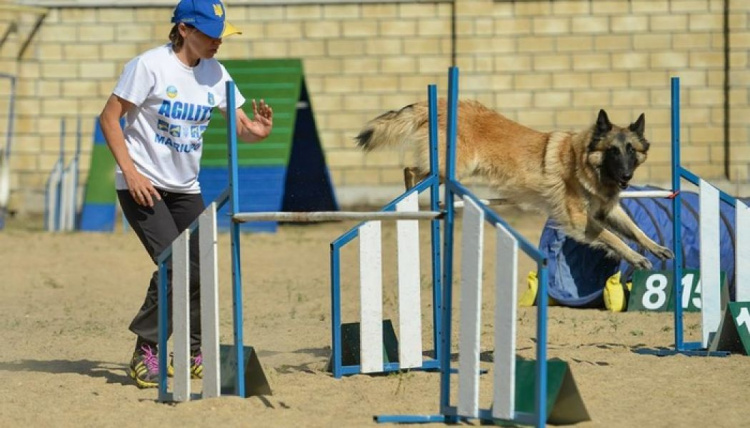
(655, 285)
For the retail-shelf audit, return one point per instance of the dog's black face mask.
(617, 151)
(618, 164)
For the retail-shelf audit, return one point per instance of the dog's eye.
(630, 149)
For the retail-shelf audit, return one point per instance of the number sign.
(652, 290)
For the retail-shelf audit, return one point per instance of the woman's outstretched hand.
(262, 122)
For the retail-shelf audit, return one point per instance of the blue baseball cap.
(208, 16)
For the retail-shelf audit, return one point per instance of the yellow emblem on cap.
(218, 10)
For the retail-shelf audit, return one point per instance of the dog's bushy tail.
(391, 128)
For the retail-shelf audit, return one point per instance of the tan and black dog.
(575, 177)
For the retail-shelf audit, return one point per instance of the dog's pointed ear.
(639, 125)
(603, 125)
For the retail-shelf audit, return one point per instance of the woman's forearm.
(110, 124)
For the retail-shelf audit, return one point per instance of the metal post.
(163, 326)
(435, 224)
(676, 210)
(450, 166)
(540, 387)
(234, 198)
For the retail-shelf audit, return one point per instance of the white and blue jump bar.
(179, 255)
(508, 242)
(410, 316)
(710, 200)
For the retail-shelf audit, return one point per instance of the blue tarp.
(577, 272)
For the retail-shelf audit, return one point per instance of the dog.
(575, 177)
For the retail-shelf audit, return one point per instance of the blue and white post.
(234, 231)
(710, 198)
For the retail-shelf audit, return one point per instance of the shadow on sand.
(111, 372)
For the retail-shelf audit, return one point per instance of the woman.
(166, 95)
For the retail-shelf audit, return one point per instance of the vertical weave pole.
(52, 197)
(371, 298)
(67, 197)
(506, 277)
(409, 298)
(472, 244)
(710, 262)
(181, 316)
(59, 187)
(72, 185)
(209, 302)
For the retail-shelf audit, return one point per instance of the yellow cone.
(528, 299)
(529, 296)
(615, 299)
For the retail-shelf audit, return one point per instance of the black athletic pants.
(157, 227)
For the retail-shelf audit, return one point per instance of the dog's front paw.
(640, 263)
(663, 253)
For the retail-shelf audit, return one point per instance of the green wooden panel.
(733, 334)
(100, 185)
(526, 383)
(278, 82)
(740, 312)
(351, 344)
(565, 405)
(653, 290)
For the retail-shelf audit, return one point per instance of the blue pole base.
(409, 419)
(687, 352)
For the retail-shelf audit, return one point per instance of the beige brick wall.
(578, 56)
(550, 65)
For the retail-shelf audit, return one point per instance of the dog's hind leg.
(621, 222)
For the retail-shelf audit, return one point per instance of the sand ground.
(69, 297)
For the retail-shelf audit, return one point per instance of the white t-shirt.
(173, 104)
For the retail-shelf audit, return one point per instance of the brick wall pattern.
(547, 64)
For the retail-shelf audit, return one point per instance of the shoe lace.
(150, 359)
(198, 360)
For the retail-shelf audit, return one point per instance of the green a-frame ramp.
(286, 171)
(99, 208)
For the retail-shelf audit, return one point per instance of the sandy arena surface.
(69, 297)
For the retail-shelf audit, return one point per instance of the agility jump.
(409, 277)
(710, 198)
(712, 304)
(508, 242)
